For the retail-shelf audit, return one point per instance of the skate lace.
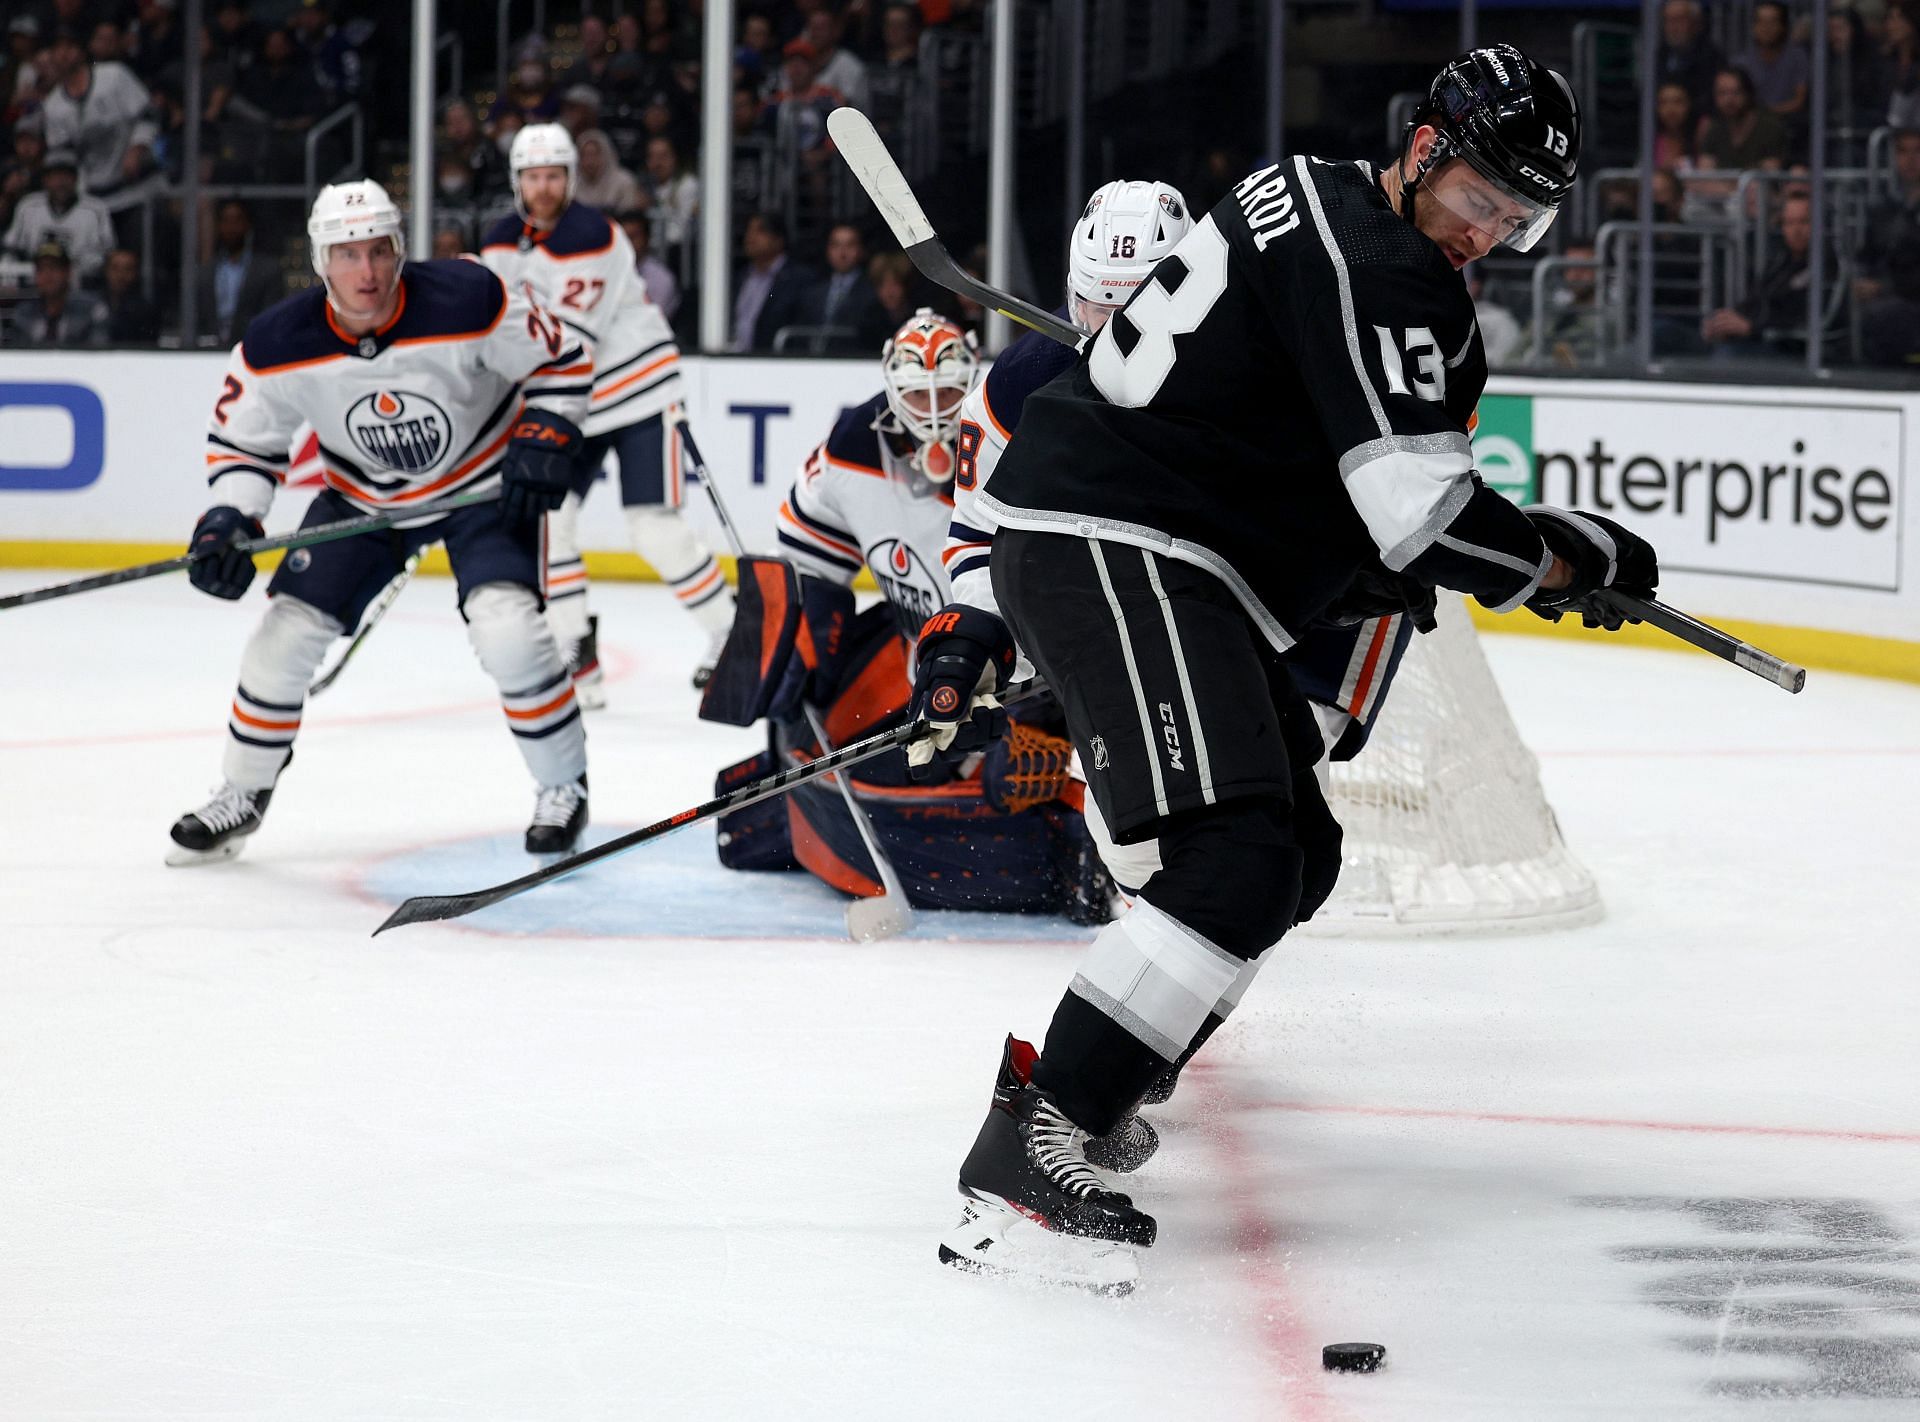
(228, 808)
(1054, 1143)
(556, 804)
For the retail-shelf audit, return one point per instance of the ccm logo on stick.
(30, 416)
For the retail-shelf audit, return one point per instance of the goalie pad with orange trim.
(789, 634)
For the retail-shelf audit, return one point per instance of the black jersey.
(1286, 397)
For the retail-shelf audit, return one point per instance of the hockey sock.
(1141, 994)
(667, 541)
(516, 646)
(566, 573)
(275, 670)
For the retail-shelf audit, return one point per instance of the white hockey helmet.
(1126, 228)
(352, 212)
(929, 366)
(542, 145)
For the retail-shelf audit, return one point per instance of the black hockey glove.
(1602, 554)
(539, 465)
(1377, 591)
(218, 567)
(961, 664)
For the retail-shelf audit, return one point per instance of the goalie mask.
(352, 212)
(929, 366)
(1124, 231)
(542, 145)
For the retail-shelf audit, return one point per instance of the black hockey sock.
(1094, 1068)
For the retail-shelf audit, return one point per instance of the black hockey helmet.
(1513, 121)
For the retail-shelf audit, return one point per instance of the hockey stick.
(853, 134)
(1708, 638)
(869, 918)
(300, 538)
(369, 622)
(430, 908)
(700, 472)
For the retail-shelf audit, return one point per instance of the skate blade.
(994, 1240)
(180, 857)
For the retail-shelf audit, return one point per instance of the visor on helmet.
(1486, 203)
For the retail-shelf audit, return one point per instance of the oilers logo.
(913, 589)
(398, 430)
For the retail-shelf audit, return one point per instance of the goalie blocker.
(1002, 833)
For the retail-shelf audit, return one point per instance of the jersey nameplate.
(1267, 204)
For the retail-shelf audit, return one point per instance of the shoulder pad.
(581, 231)
(854, 440)
(1022, 368)
(290, 332)
(505, 232)
(1368, 232)
(448, 297)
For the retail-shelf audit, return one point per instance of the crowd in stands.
(92, 153)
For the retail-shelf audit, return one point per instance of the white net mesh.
(1447, 828)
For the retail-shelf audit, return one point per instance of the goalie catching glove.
(1601, 554)
(961, 664)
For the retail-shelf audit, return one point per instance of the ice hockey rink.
(658, 1142)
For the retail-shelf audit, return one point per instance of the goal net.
(1446, 827)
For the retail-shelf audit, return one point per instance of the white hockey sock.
(566, 573)
(275, 671)
(666, 540)
(1155, 977)
(516, 646)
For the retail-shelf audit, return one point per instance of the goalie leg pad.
(753, 664)
(515, 645)
(275, 671)
(753, 837)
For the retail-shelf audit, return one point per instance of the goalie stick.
(853, 134)
(300, 538)
(379, 610)
(430, 908)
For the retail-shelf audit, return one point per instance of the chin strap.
(1436, 155)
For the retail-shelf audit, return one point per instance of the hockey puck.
(1353, 1357)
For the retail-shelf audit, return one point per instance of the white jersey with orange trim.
(583, 268)
(858, 503)
(417, 411)
(988, 418)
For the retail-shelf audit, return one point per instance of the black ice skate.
(559, 815)
(583, 660)
(1163, 1086)
(1029, 1156)
(710, 659)
(218, 830)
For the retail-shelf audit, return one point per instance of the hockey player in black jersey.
(1284, 402)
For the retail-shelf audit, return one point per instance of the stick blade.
(866, 153)
(432, 908)
(869, 920)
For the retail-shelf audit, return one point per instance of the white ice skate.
(994, 1238)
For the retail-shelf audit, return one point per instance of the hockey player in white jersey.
(1003, 833)
(422, 380)
(583, 269)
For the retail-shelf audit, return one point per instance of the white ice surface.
(657, 1143)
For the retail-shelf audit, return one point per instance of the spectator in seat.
(1893, 221)
(107, 43)
(282, 88)
(1572, 334)
(1900, 65)
(157, 41)
(757, 59)
(448, 241)
(1773, 318)
(132, 320)
(530, 96)
(20, 73)
(21, 172)
(1779, 69)
(663, 288)
(1856, 88)
(236, 35)
(1890, 325)
(1687, 56)
(838, 68)
(631, 69)
(580, 109)
(1499, 328)
(333, 51)
(1741, 135)
(771, 288)
(891, 275)
(58, 212)
(799, 111)
(891, 80)
(1676, 139)
(58, 315)
(845, 298)
(462, 140)
(602, 181)
(596, 49)
(240, 282)
(101, 112)
(671, 193)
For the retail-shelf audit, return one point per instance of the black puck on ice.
(1353, 1357)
